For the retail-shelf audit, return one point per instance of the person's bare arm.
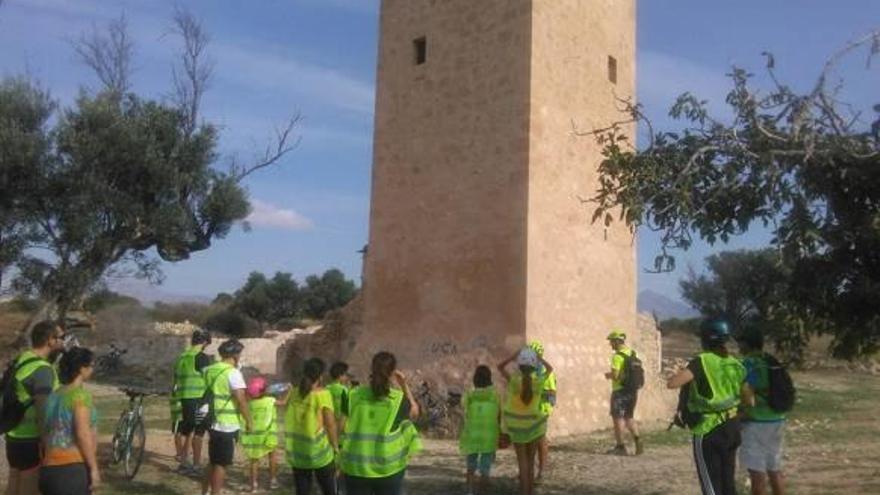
(85, 441)
(40, 408)
(330, 427)
(241, 401)
(747, 395)
(502, 366)
(680, 379)
(414, 410)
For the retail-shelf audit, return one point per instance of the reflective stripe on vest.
(27, 428)
(224, 410)
(524, 422)
(189, 383)
(481, 429)
(305, 439)
(725, 376)
(371, 448)
(264, 437)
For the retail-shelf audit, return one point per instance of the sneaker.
(184, 468)
(196, 469)
(617, 450)
(640, 447)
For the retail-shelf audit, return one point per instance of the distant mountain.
(149, 294)
(663, 306)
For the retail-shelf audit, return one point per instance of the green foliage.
(105, 298)
(281, 299)
(797, 163)
(232, 323)
(181, 312)
(680, 325)
(332, 290)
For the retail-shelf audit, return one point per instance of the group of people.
(338, 434)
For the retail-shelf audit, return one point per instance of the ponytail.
(526, 393)
(312, 372)
(384, 364)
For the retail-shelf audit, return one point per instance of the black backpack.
(781, 394)
(11, 409)
(633, 372)
(684, 417)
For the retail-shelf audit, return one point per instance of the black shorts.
(22, 454)
(69, 479)
(221, 447)
(193, 421)
(623, 404)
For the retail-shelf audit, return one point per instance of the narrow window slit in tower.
(421, 50)
(612, 69)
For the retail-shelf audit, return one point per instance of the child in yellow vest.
(479, 436)
(261, 441)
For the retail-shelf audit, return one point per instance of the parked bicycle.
(130, 437)
(109, 364)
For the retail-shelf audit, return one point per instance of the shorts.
(221, 447)
(480, 462)
(623, 404)
(761, 449)
(68, 479)
(23, 454)
(195, 417)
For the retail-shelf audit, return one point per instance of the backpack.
(684, 417)
(633, 372)
(11, 409)
(781, 394)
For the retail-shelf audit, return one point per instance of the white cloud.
(270, 216)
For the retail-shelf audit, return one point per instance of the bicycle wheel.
(120, 437)
(134, 455)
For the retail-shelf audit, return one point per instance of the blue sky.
(318, 57)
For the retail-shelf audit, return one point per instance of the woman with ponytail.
(70, 464)
(523, 418)
(311, 438)
(380, 437)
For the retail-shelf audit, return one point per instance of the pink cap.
(256, 387)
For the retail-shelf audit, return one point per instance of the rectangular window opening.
(612, 69)
(421, 50)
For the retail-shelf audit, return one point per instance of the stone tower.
(479, 240)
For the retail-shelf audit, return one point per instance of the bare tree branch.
(109, 55)
(192, 76)
(284, 142)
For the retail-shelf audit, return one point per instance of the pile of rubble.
(170, 328)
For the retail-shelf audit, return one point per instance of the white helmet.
(527, 357)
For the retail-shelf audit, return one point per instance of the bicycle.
(130, 438)
(109, 364)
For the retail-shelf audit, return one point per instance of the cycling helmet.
(617, 334)
(231, 347)
(537, 346)
(201, 336)
(527, 357)
(256, 387)
(714, 332)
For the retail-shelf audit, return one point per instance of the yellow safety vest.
(481, 429)
(372, 447)
(306, 439)
(264, 437)
(188, 383)
(524, 423)
(27, 428)
(725, 376)
(223, 406)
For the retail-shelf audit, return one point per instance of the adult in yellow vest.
(311, 439)
(380, 437)
(35, 379)
(523, 419)
(623, 401)
(228, 411)
(482, 426)
(717, 388)
(188, 387)
(548, 402)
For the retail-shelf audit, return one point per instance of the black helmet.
(714, 332)
(200, 336)
(231, 347)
